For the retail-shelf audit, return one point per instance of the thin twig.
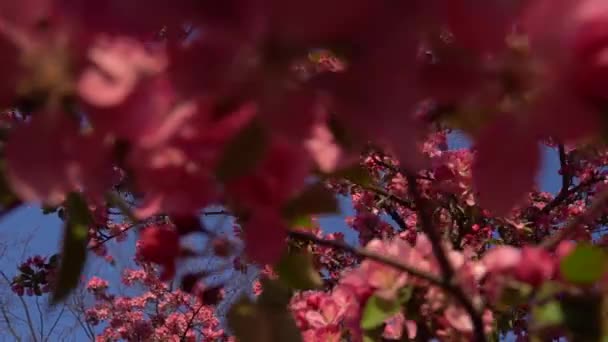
(392, 197)
(596, 208)
(216, 213)
(189, 326)
(121, 204)
(9, 324)
(50, 333)
(563, 195)
(84, 328)
(41, 317)
(30, 323)
(566, 175)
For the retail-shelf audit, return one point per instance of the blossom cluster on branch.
(126, 115)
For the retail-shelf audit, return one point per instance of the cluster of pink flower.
(328, 316)
(172, 98)
(157, 314)
(36, 276)
(192, 103)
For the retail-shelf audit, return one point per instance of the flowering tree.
(269, 110)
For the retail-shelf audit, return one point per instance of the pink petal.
(48, 157)
(458, 319)
(323, 149)
(117, 65)
(465, 17)
(265, 237)
(501, 258)
(505, 165)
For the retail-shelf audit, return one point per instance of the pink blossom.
(502, 259)
(265, 237)
(277, 177)
(52, 145)
(385, 279)
(97, 284)
(537, 265)
(502, 182)
(160, 245)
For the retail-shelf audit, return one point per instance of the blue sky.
(27, 231)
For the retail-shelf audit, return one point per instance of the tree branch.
(445, 265)
(361, 252)
(590, 214)
(563, 195)
(566, 175)
(189, 326)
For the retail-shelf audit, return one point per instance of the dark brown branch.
(361, 252)
(566, 175)
(397, 218)
(390, 196)
(596, 208)
(562, 196)
(216, 213)
(446, 267)
(189, 326)
(429, 229)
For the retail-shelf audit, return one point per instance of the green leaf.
(316, 55)
(74, 252)
(304, 221)
(243, 152)
(377, 310)
(254, 322)
(275, 294)
(585, 265)
(313, 200)
(548, 315)
(513, 294)
(298, 272)
(548, 289)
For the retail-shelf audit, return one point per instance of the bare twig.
(41, 318)
(216, 213)
(9, 325)
(82, 325)
(54, 325)
(30, 323)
